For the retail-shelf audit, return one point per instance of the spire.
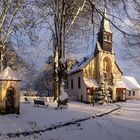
(105, 34)
(106, 23)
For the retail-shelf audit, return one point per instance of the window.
(71, 83)
(105, 37)
(129, 93)
(133, 93)
(79, 82)
(108, 37)
(67, 84)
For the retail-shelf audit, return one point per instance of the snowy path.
(61, 124)
(123, 124)
(38, 117)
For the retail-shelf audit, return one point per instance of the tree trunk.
(59, 45)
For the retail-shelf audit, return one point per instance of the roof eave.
(75, 71)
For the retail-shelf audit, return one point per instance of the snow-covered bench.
(39, 102)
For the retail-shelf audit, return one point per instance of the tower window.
(108, 37)
(105, 37)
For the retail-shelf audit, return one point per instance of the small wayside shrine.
(9, 91)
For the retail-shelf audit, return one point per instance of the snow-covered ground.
(120, 125)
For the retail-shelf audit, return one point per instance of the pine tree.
(103, 94)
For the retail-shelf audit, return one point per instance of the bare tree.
(69, 19)
(63, 26)
(9, 9)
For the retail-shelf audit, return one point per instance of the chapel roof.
(90, 82)
(130, 82)
(81, 64)
(8, 74)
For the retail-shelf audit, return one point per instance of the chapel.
(98, 70)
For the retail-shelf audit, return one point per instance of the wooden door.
(10, 100)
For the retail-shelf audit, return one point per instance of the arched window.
(107, 69)
(107, 64)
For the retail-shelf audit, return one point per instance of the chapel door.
(120, 94)
(10, 100)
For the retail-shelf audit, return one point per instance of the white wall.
(129, 94)
(76, 91)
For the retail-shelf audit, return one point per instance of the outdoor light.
(88, 91)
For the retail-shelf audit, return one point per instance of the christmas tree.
(103, 93)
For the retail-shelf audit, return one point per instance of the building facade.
(98, 70)
(132, 87)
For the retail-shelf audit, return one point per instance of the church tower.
(105, 57)
(99, 72)
(106, 68)
(105, 34)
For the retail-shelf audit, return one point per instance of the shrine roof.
(8, 74)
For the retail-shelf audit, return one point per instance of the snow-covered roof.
(80, 65)
(8, 74)
(120, 84)
(90, 83)
(130, 82)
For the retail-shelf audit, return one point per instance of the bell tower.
(105, 34)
